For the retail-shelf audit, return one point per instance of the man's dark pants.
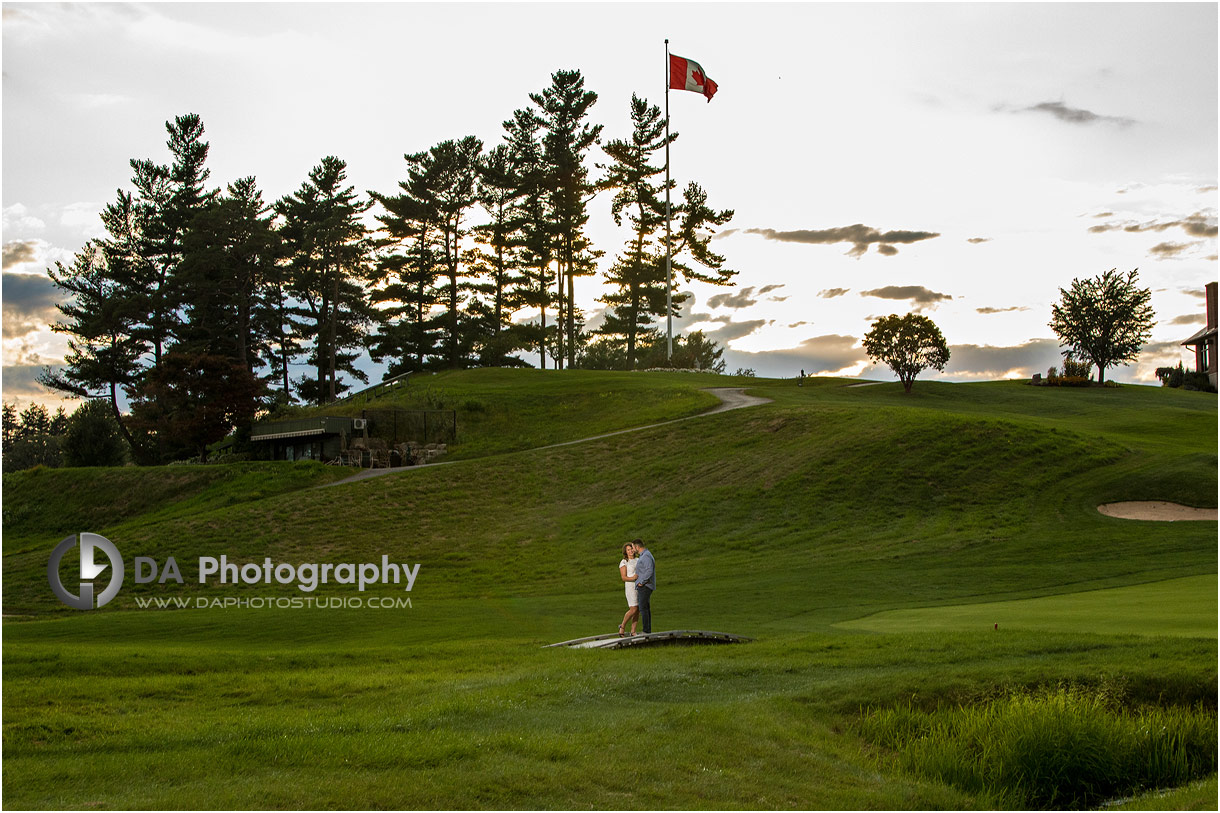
(645, 594)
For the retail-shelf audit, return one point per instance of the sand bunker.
(1156, 511)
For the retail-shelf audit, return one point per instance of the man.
(645, 582)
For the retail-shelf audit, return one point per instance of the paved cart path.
(730, 398)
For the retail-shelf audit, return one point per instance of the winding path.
(730, 398)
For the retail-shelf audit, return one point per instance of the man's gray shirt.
(646, 571)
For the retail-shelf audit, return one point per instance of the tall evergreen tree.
(496, 258)
(229, 253)
(451, 169)
(103, 349)
(535, 226)
(639, 271)
(284, 327)
(406, 272)
(695, 227)
(170, 196)
(328, 255)
(563, 110)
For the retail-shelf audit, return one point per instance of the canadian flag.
(687, 74)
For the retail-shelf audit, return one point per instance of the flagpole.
(669, 279)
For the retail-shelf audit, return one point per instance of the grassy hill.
(780, 522)
(512, 409)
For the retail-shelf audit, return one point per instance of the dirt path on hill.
(730, 398)
(1156, 511)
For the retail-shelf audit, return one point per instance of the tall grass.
(1065, 747)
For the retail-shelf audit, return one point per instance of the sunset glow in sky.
(960, 160)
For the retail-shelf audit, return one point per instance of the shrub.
(1197, 381)
(1069, 381)
(1186, 379)
(1171, 376)
(1075, 369)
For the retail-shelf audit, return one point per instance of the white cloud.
(84, 218)
(17, 218)
(92, 101)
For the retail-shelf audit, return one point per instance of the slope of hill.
(41, 503)
(503, 410)
(778, 522)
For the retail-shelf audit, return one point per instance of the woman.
(626, 571)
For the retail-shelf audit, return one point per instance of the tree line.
(199, 300)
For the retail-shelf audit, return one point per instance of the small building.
(1204, 342)
(321, 437)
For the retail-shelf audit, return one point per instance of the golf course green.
(1184, 606)
(869, 541)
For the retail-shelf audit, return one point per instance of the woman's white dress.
(632, 599)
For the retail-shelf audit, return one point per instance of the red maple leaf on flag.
(685, 72)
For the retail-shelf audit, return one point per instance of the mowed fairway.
(1173, 607)
(786, 522)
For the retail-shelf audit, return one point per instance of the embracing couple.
(639, 573)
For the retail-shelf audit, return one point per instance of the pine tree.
(639, 272)
(451, 170)
(563, 108)
(693, 236)
(328, 262)
(535, 226)
(284, 328)
(406, 272)
(11, 423)
(104, 349)
(229, 254)
(169, 199)
(495, 259)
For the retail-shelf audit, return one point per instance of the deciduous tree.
(908, 345)
(1105, 319)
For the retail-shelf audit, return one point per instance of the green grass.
(506, 410)
(423, 709)
(1184, 606)
(1060, 748)
(42, 501)
(778, 522)
(1200, 795)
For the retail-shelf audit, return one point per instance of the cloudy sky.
(960, 160)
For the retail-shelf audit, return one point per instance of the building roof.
(1203, 335)
(302, 433)
(302, 428)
